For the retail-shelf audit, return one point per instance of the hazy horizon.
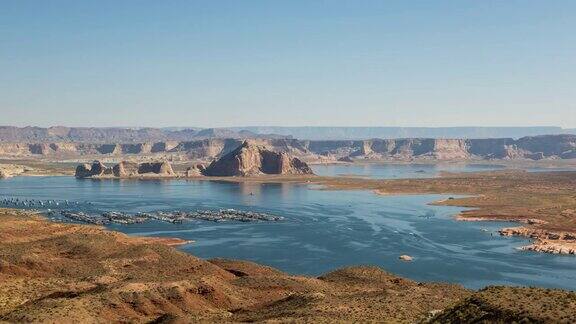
(297, 63)
(282, 126)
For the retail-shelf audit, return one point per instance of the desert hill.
(54, 272)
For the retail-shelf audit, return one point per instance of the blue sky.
(342, 63)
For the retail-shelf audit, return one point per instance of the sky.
(288, 63)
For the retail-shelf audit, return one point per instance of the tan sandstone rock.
(96, 169)
(195, 170)
(125, 169)
(10, 170)
(252, 160)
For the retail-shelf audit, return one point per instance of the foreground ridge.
(52, 272)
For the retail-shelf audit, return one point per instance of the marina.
(116, 217)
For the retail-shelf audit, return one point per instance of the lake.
(399, 171)
(322, 230)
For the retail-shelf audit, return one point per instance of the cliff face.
(250, 160)
(10, 170)
(196, 170)
(538, 147)
(96, 169)
(124, 169)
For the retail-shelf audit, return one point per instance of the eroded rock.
(125, 169)
(252, 160)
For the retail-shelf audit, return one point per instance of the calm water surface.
(402, 171)
(322, 230)
(399, 171)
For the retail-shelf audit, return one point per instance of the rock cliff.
(125, 169)
(532, 148)
(96, 169)
(11, 170)
(195, 170)
(251, 160)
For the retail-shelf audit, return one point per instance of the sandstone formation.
(11, 170)
(125, 169)
(96, 169)
(347, 159)
(162, 168)
(196, 170)
(252, 160)
(528, 148)
(555, 242)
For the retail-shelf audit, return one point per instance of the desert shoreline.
(544, 236)
(89, 273)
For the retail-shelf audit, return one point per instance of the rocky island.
(125, 169)
(247, 160)
(253, 160)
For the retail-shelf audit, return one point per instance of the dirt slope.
(54, 272)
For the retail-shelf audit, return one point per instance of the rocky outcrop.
(346, 159)
(405, 257)
(252, 160)
(544, 240)
(159, 168)
(125, 169)
(196, 170)
(96, 169)
(11, 170)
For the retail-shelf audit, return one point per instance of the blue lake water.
(414, 170)
(322, 229)
(399, 171)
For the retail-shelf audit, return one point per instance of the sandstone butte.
(247, 160)
(125, 169)
(253, 160)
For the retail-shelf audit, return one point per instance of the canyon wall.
(534, 148)
(124, 169)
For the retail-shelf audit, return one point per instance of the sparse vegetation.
(53, 272)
